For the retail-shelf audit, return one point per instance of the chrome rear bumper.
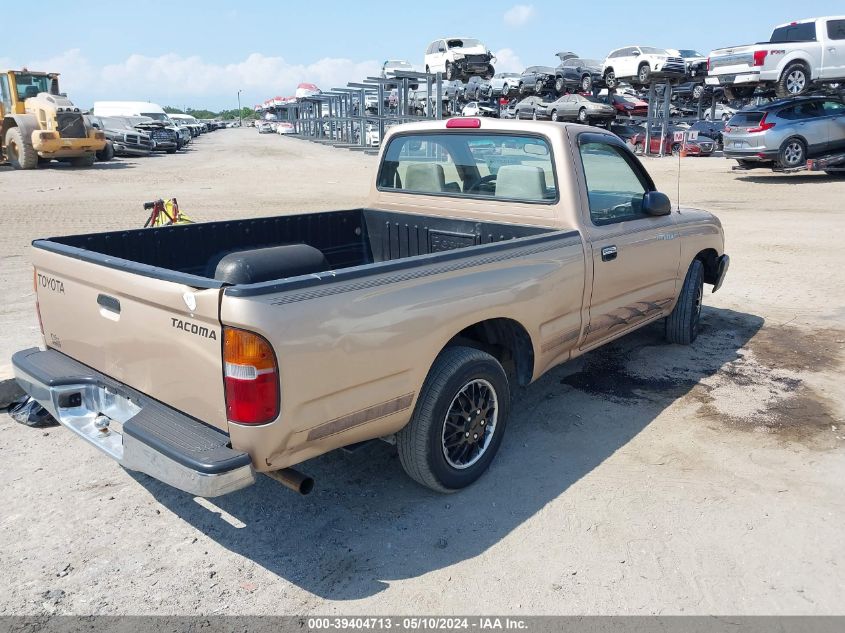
(136, 431)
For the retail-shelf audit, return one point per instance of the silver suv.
(786, 132)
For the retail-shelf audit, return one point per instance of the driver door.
(635, 256)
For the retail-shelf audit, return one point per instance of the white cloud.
(519, 14)
(173, 79)
(507, 61)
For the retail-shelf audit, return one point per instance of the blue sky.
(199, 54)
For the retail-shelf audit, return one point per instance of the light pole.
(240, 112)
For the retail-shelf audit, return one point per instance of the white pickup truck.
(797, 55)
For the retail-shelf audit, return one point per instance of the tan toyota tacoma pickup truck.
(490, 252)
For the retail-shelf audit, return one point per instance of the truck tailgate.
(161, 338)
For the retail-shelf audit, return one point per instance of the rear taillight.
(760, 57)
(251, 377)
(37, 305)
(762, 126)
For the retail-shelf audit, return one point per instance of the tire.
(538, 87)
(83, 161)
(560, 85)
(586, 83)
(639, 148)
(643, 73)
(523, 89)
(422, 442)
(505, 90)
(107, 153)
(582, 115)
(490, 72)
(610, 79)
(794, 81)
(450, 71)
(793, 153)
(697, 92)
(173, 150)
(739, 92)
(554, 116)
(682, 323)
(676, 147)
(20, 153)
(745, 163)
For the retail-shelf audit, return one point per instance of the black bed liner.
(356, 243)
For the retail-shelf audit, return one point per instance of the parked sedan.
(626, 105)
(719, 111)
(473, 108)
(577, 75)
(531, 108)
(536, 79)
(581, 108)
(700, 146)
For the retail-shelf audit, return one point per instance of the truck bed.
(353, 238)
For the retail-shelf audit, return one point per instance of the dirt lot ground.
(641, 479)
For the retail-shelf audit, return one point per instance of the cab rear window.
(494, 166)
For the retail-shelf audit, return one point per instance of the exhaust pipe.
(293, 479)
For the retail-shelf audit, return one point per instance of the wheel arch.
(507, 340)
(710, 260)
(796, 58)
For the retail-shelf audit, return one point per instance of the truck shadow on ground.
(367, 524)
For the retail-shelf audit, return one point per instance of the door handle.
(608, 253)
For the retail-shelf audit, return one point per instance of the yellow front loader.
(40, 124)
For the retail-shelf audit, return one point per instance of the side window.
(5, 94)
(614, 188)
(836, 29)
(834, 108)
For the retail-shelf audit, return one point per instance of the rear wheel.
(560, 85)
(458, 422)
(793, 153)
(554, 115)
(682, 323)
(586, 83)
(794, 81)
(21, 154)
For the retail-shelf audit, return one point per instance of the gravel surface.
(641, 479)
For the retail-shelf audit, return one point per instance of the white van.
(142, 108)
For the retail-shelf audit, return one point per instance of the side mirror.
(656, 203)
